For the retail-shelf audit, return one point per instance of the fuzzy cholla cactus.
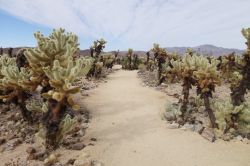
(98, 46)
(207, 77)
(231, 119)
(59, 46)
(108, 60)
(160, 54)
(66, 125)
(61, 79)
(16, 84)
(130, 52)
(158, 51)
(13, 78)
(183, 69)
(246, 34)
(56, 69)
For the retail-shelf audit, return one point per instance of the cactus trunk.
(209, 111)
(52, 120)
(185, 91)
(22, 97)
(238, 93)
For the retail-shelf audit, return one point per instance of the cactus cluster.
(95, 51)
(131, 61)
(205, 73)
(198, 71)
(53, 66)
(231, 118)
(236, 70)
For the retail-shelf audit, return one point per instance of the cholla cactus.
(66, 125)
(207, 77)
(97, 65)
(236, 70)
(35, 105)
(231, 118)
(246, 34)
(54, 67)
(98, 47)
(59, 46)
(161, 55)
(184, 70)
(190, 51)
(109, 60)
(16, 84)
(129, 56)
(131, 61)
(61, 79)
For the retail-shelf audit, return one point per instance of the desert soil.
(126, 121)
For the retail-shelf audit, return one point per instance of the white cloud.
(139, 23)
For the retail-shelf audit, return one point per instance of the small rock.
(71, 161)
(201, 109)
(246, 141)
(82, 163)
(96, 163)
(93, 139)
(173, 125)
(5, 108)
(198, 128)
(84, 125)
(77, 146)
(70, 140)
(239, 138)
(169, 115)
(85, 88)
(79, 119)
(81, 132)
(2, 149)
(50, 160)
(30, 150)
(91, 144)
(40, 153)
(2, 141)
(188, 126)
(208, 134)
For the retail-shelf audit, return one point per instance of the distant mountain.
(206, 50)
(202, 49)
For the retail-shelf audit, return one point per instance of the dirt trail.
(127, 124)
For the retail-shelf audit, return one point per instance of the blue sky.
(127, 23)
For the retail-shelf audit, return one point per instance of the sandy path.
(127, 124)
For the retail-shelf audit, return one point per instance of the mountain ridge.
(205, 49)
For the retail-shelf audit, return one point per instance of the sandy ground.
(127, 124)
